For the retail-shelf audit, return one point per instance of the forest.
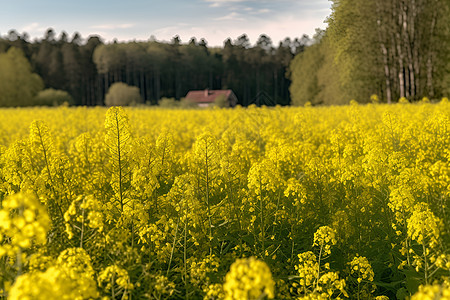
(385, 50)
(87, 68)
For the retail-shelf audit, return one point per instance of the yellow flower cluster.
(361, 269)
(424, 226)
(72, 277)
(250, 279)
(263, 177)
(161, 287)
(313, 283)
(329, 284)
(115, 281)
(202, 270)
(362, 275)
(83, 213)
(307, 268)
(401, 202)
(23, 222)
(432, 292)
(324, 238)
(214, 291)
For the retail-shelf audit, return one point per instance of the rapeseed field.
(348, 202)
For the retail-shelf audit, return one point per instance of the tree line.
(390, 48)
(87, 68)
(380, 49)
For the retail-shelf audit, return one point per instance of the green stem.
(184, 258)
(82, 227)
(113, 292)
(19, 262)
(261, 207)
(358, 290)
(47, 165)
(120, 164)
(207, 201)
(293, 243)
(318, 266)
(425, 263)
(173, 247)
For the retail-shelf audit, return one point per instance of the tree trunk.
(384, 52)
(401, 78)
(400, 58)
(430, 58)
(142, 84)
(158, 85)
(405, 41)
(275, 86)
(386, 73)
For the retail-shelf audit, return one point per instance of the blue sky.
(214, 20)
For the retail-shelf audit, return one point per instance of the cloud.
(276, 28)
(167, 31)
(218, 3)
(112, 26)
(256, 11)
(33, 27)
(216, 32)
(233, 16)
(183, 30)
(262, 11)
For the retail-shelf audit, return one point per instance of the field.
(258, 203)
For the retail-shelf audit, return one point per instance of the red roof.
(207, 96)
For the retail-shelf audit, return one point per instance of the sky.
(213, 20)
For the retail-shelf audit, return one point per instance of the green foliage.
(52, 97)
(352, 34)
(18, 85)
(172, 103)
(168, 103)
(391, 48)
(303, 73)
(185, 103)
(332, 90)
(221, 101)
(314, 76)
(394, 49)
(121, 94)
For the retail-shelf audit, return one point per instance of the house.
(205, 98)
